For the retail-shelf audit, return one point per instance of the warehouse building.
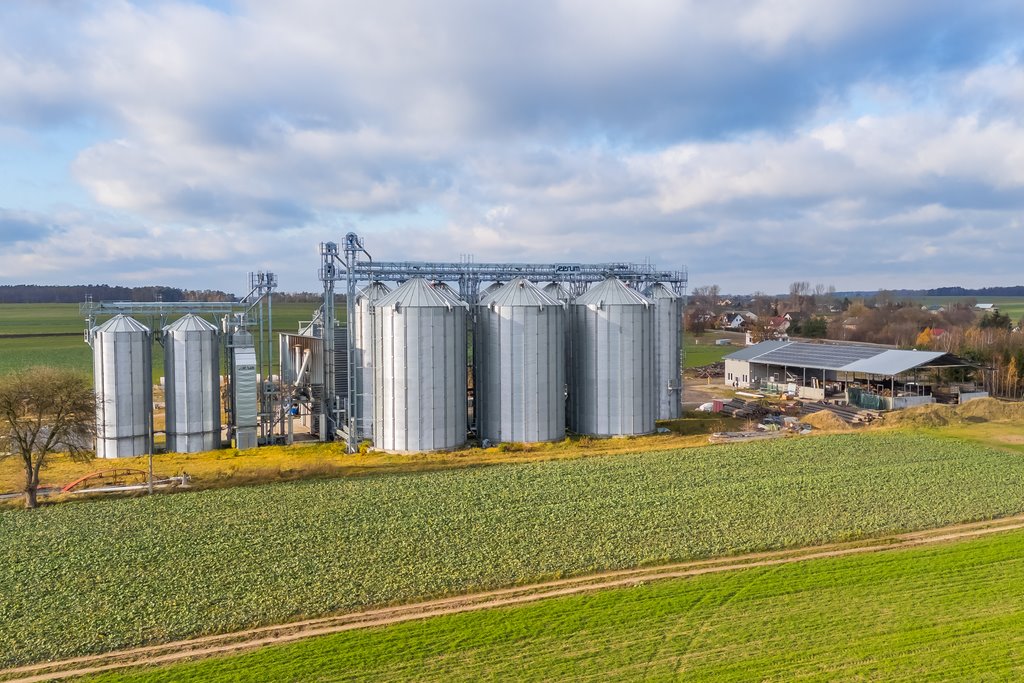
(868, 376)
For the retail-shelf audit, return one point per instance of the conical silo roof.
(190, 323)
(612, 292)
(418, 293)
(520, 292)
(659, 290)
(122, 323)
(447, 289)
(373, 291)
(489, 290)
(556, 290)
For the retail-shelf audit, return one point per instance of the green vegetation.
(109, 574)
(63, 327)
(1012, 306)
(702, 350)
(40, 319)
(67, 352)
(951, 612)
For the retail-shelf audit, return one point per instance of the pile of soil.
(989, 410)
(826, 420)
(933, 415)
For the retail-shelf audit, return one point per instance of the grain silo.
(488, 291)
(363, 356)
(557, 291)
(445, 288)
(192, 389)
(612, 391)
(668, 322)
(520, 352)
(123, 373)
(419, 364)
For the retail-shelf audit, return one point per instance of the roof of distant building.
(873, 360)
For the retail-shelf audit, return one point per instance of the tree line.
(76, 294)
(73, 294)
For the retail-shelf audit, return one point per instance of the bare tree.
(706, 297)
(763, 304)
(43, 411)
(798, 294)
(763, 330)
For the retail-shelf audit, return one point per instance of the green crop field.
(102, 575)
(63, 327)
(952, 612)
(702, 350)
(1012, 306)
(64, 352)
(40, 319)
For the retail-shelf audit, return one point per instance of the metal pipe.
(302, 369)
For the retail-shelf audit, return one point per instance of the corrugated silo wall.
(362, 356)
(192, 372)
(668, 317)
(520, 393)
(613, 370)
(419, 378)
(123, 372)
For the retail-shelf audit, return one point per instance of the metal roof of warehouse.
(844, 358)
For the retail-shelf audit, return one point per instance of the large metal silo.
(419, 365)
(488, 291)
(192, 390)
(363, 356)
(668, 367)
(557, 291)
(612, 391)
(123, 373)
(520, 347)
(445, 288)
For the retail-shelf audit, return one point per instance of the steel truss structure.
(253, 312)
(348, 265)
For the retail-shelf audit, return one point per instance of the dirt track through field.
(250, 639)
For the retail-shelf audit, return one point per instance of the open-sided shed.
(869, 375)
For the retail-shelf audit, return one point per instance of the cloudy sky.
(859, 143)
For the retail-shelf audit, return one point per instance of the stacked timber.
(848, 414)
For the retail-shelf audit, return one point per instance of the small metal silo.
(612, 391)
(520, 347)
(192, 371)
(363, 356)
(419, 364)
(668, 368)
(123, 373)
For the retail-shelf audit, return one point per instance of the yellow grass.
(985, 422)
(285, 463)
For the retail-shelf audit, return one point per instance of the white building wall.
(737, 373)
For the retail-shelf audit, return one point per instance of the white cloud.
(782, 133)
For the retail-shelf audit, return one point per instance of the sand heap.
(826, 420)
(989, 410)
(933, 415)
(936, 415)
